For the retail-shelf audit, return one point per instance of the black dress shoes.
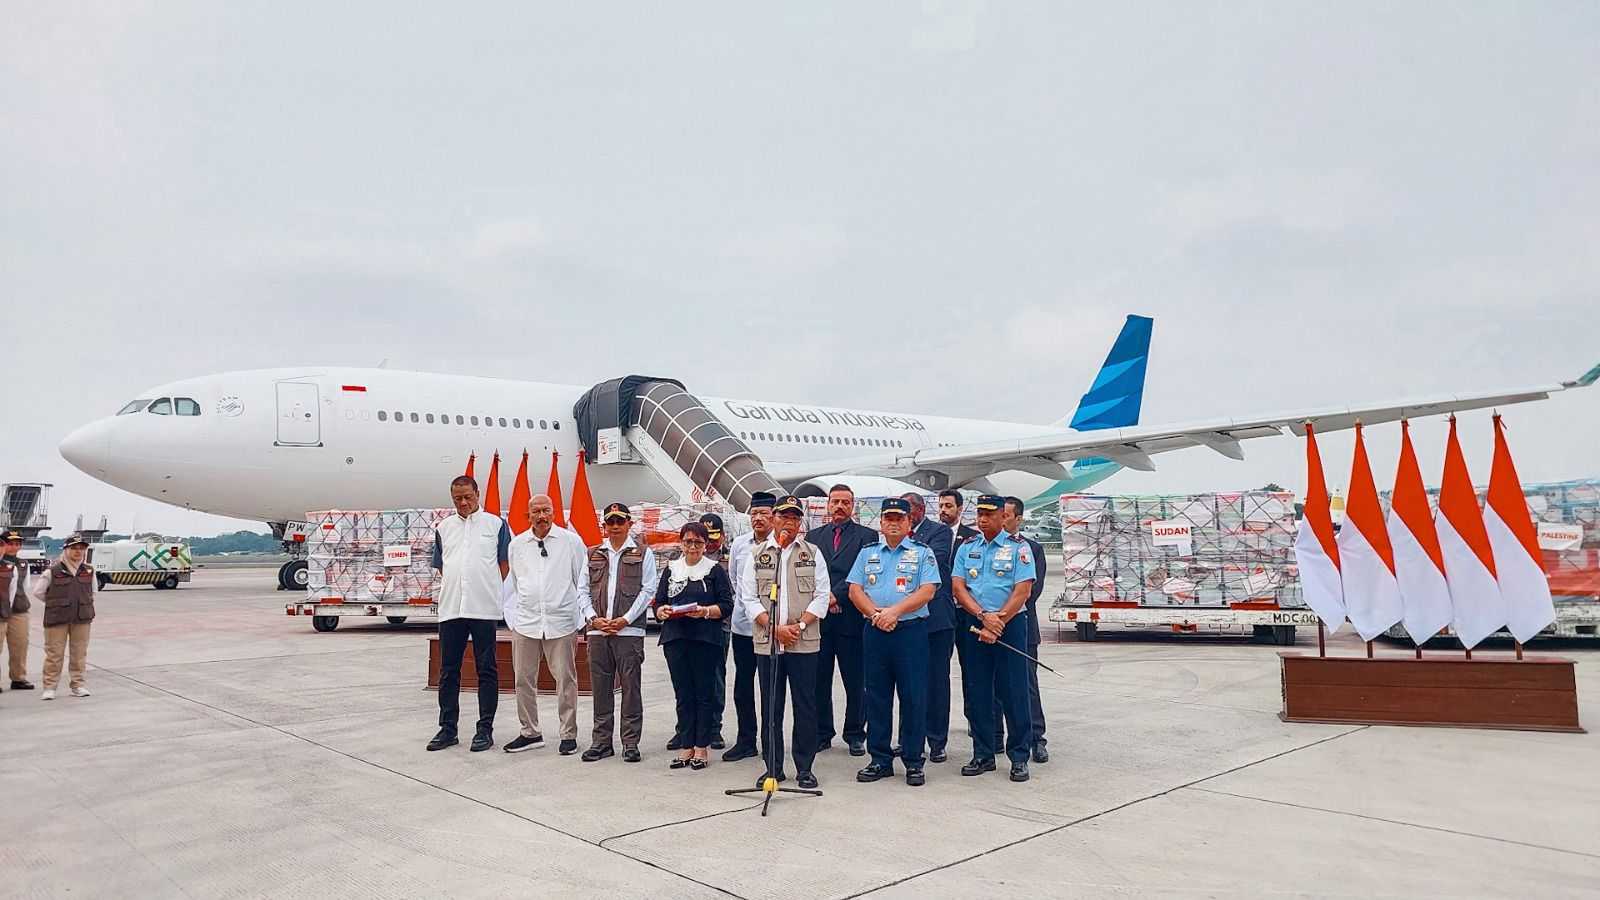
(595, 754)
(806, 780)
(1040, 754)
(22, 685)
(630, 754)
(978, 766)
(717, 743)
(874, 772)
(674, 744)
(1019, 771)
(736, 753)
(761, 781)
(915, 778)
(937, 756)
(482, 741)
(442, 740)
(857, 748)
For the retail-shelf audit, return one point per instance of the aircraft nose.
(88, 448)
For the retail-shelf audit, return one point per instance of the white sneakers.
(50, 693)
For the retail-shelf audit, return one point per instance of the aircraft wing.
(1135, 447)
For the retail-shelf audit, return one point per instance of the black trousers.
(1033, 695)
(997, 671)
(453, 635)
(963, 622)
(744, 692)
(722, 681)
(797, 679)
(846, 651)
(693, 667)
(897, 668)
(941, 645)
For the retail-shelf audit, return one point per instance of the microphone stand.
(769, 784)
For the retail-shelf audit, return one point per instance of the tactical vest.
(630, 580)
(8, 575)
(800, 577)
(69, 600)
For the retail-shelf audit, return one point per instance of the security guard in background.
(891, 584)
(991, 579)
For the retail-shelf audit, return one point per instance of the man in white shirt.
(622, 582)
(790, 575)
(740, 554)
(547, 606)
(469, 552)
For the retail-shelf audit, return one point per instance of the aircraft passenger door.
(299, 419)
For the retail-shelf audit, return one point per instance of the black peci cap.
(991, 502)
(617, 511)
(763, 499)
(895, 505)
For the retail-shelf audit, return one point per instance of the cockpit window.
(133, 407)
(162, 407)
(186, 406)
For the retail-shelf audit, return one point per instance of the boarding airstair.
(658, 424)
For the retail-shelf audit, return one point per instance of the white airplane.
(272, 444)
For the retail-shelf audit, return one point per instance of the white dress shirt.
(468, 559)
(754, 606)
(647, 589)
(549, 596)
(741, 555)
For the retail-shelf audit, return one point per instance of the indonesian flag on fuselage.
(1418, 561)
(1315, 550)
(1518, 563)
(1366, 561)
(1468, 557)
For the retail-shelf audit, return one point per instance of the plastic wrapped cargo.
(1195, 550)
(372, 556)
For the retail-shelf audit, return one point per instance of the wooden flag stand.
(1523, 693)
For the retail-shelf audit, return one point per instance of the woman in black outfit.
(694, 594)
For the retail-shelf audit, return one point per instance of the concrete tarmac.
(230, 751)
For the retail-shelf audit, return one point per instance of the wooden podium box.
(1536, 693)
(505, 671)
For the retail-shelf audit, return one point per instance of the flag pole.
(1322, 644)
(1518, 645)
(1369, 649)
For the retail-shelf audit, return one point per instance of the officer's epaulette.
(972, 537)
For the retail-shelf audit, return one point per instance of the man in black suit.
(841, 541)
(941, 626)
(1013, 524)
(950, 505)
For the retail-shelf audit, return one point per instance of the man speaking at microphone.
(787, 574)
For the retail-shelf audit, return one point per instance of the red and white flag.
(1468, 557)
(1315, 549)
(1366, 560)
(1518, 563)
(1418, 561)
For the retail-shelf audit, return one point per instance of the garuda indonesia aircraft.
(271, 444)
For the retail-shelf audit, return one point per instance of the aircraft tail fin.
(1113, 400)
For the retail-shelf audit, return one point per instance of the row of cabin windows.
(163, 406)
(818, 439)
(444, 419)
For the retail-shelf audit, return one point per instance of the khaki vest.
(8, 577)
(69, 600)
(630, 580)
(800, 577)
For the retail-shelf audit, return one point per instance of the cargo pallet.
(325, 612)
(1573, 620)
(1265, 623)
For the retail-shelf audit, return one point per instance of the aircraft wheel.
(324, 623)
(293, 575)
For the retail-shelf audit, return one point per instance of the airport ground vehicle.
(161, 564)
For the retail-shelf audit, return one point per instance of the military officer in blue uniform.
(991, 578)
(891, 584)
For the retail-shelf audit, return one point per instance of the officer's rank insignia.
(872, 579)
(1022, 555)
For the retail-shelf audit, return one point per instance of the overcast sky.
(944, 207)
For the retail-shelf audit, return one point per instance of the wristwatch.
(802, 626)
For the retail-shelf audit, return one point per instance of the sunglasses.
(542, 551)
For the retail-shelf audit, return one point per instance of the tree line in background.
(236, 542)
